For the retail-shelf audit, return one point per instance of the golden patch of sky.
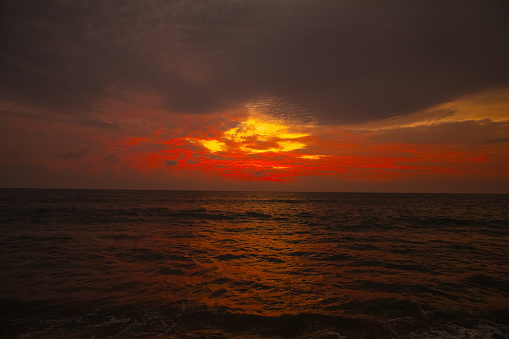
(258, 128)
(312, 157)
(213, 145)
(491, 105)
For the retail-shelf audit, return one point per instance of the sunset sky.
(291, 95)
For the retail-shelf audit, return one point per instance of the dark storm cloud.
(339, 60)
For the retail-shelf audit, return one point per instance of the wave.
(396, 319)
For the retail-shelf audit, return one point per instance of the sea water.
(187, 264)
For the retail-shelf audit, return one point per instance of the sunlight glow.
(263, 148)
(213, 145)
(312, 157)
(257, 129)
(254, 136)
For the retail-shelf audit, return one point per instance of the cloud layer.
(340, 61)
(241, 94)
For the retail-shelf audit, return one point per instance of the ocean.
(189, 264)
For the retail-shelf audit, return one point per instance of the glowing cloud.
(313, 157)
(212, 145)
(491, 105)
(252, 135)
(264, 148)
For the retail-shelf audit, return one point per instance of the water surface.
(85, 263)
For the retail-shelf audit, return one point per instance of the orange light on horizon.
(261, 148)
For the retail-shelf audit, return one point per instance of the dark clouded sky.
(275, 95)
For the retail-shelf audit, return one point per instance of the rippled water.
(85, 263)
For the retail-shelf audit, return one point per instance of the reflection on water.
(216, 255)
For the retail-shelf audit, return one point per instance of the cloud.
(169, 91)
(476, 119)
(462, 132)
(490, 105)
(73, 154)
(111, 158)
(340, 61)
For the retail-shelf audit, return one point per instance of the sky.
(280, 95)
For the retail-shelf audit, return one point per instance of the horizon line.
(240, 191)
